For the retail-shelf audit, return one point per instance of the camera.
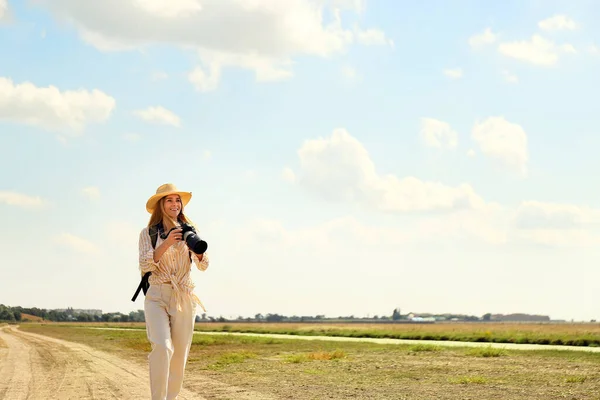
(191, 238)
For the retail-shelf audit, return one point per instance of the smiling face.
(172, 206)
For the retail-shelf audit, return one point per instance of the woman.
(170, 304)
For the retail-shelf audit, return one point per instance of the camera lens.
(196, 244)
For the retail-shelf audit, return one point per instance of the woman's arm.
(146, 253)
(201, 261)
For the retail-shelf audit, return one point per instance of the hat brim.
(153, 201)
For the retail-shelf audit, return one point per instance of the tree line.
(15, 314)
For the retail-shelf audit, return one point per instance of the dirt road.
(39, 367)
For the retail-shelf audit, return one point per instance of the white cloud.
(537, 51)
(203, 81)
(372, 37)
(206, 155)
(266, 69)
(343, 232)
(540, 215)
(557, 224)
(557, 22)
(503, 141)
(510, 78)
(593, 49)
(482, 39)
(91, 192)
(267, 34)
(437, 133)
(20, 199)
(168, 9)
(160, 115)
(339, 168)
(453, 73)
(471, 153)
(52, 109)
(288, 175)
(3, 9)
(493, 224)
(76, 243)
(557, 238)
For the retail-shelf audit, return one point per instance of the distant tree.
(274, 318)
(6, 314)
(487, 317)
(137, 316)
(396, 314)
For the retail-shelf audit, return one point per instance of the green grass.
(425, 347)
(487, 351)
(231, 358)
(525, 333)
(576, 379)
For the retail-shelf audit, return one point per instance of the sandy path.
(40, 367)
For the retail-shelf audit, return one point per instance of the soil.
(39, 367)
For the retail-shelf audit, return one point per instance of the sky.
(346, 157)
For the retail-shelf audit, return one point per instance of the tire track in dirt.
(40, 367)
(14, 368)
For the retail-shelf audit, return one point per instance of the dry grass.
(577, 334)
(29, 317)
(303, 370)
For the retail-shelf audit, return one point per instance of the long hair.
(158, 215)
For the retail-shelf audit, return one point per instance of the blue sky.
(438, 157)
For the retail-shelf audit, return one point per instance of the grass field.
(587, 334)
(574, 334)
(304, 370)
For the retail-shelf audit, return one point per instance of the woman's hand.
(174, 236)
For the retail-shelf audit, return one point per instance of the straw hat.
(163, 191)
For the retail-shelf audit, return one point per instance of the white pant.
(170, 333)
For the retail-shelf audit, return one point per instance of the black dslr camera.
(191, 238)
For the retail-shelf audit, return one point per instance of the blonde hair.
(159, 216)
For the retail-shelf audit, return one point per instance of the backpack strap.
(153, 231)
